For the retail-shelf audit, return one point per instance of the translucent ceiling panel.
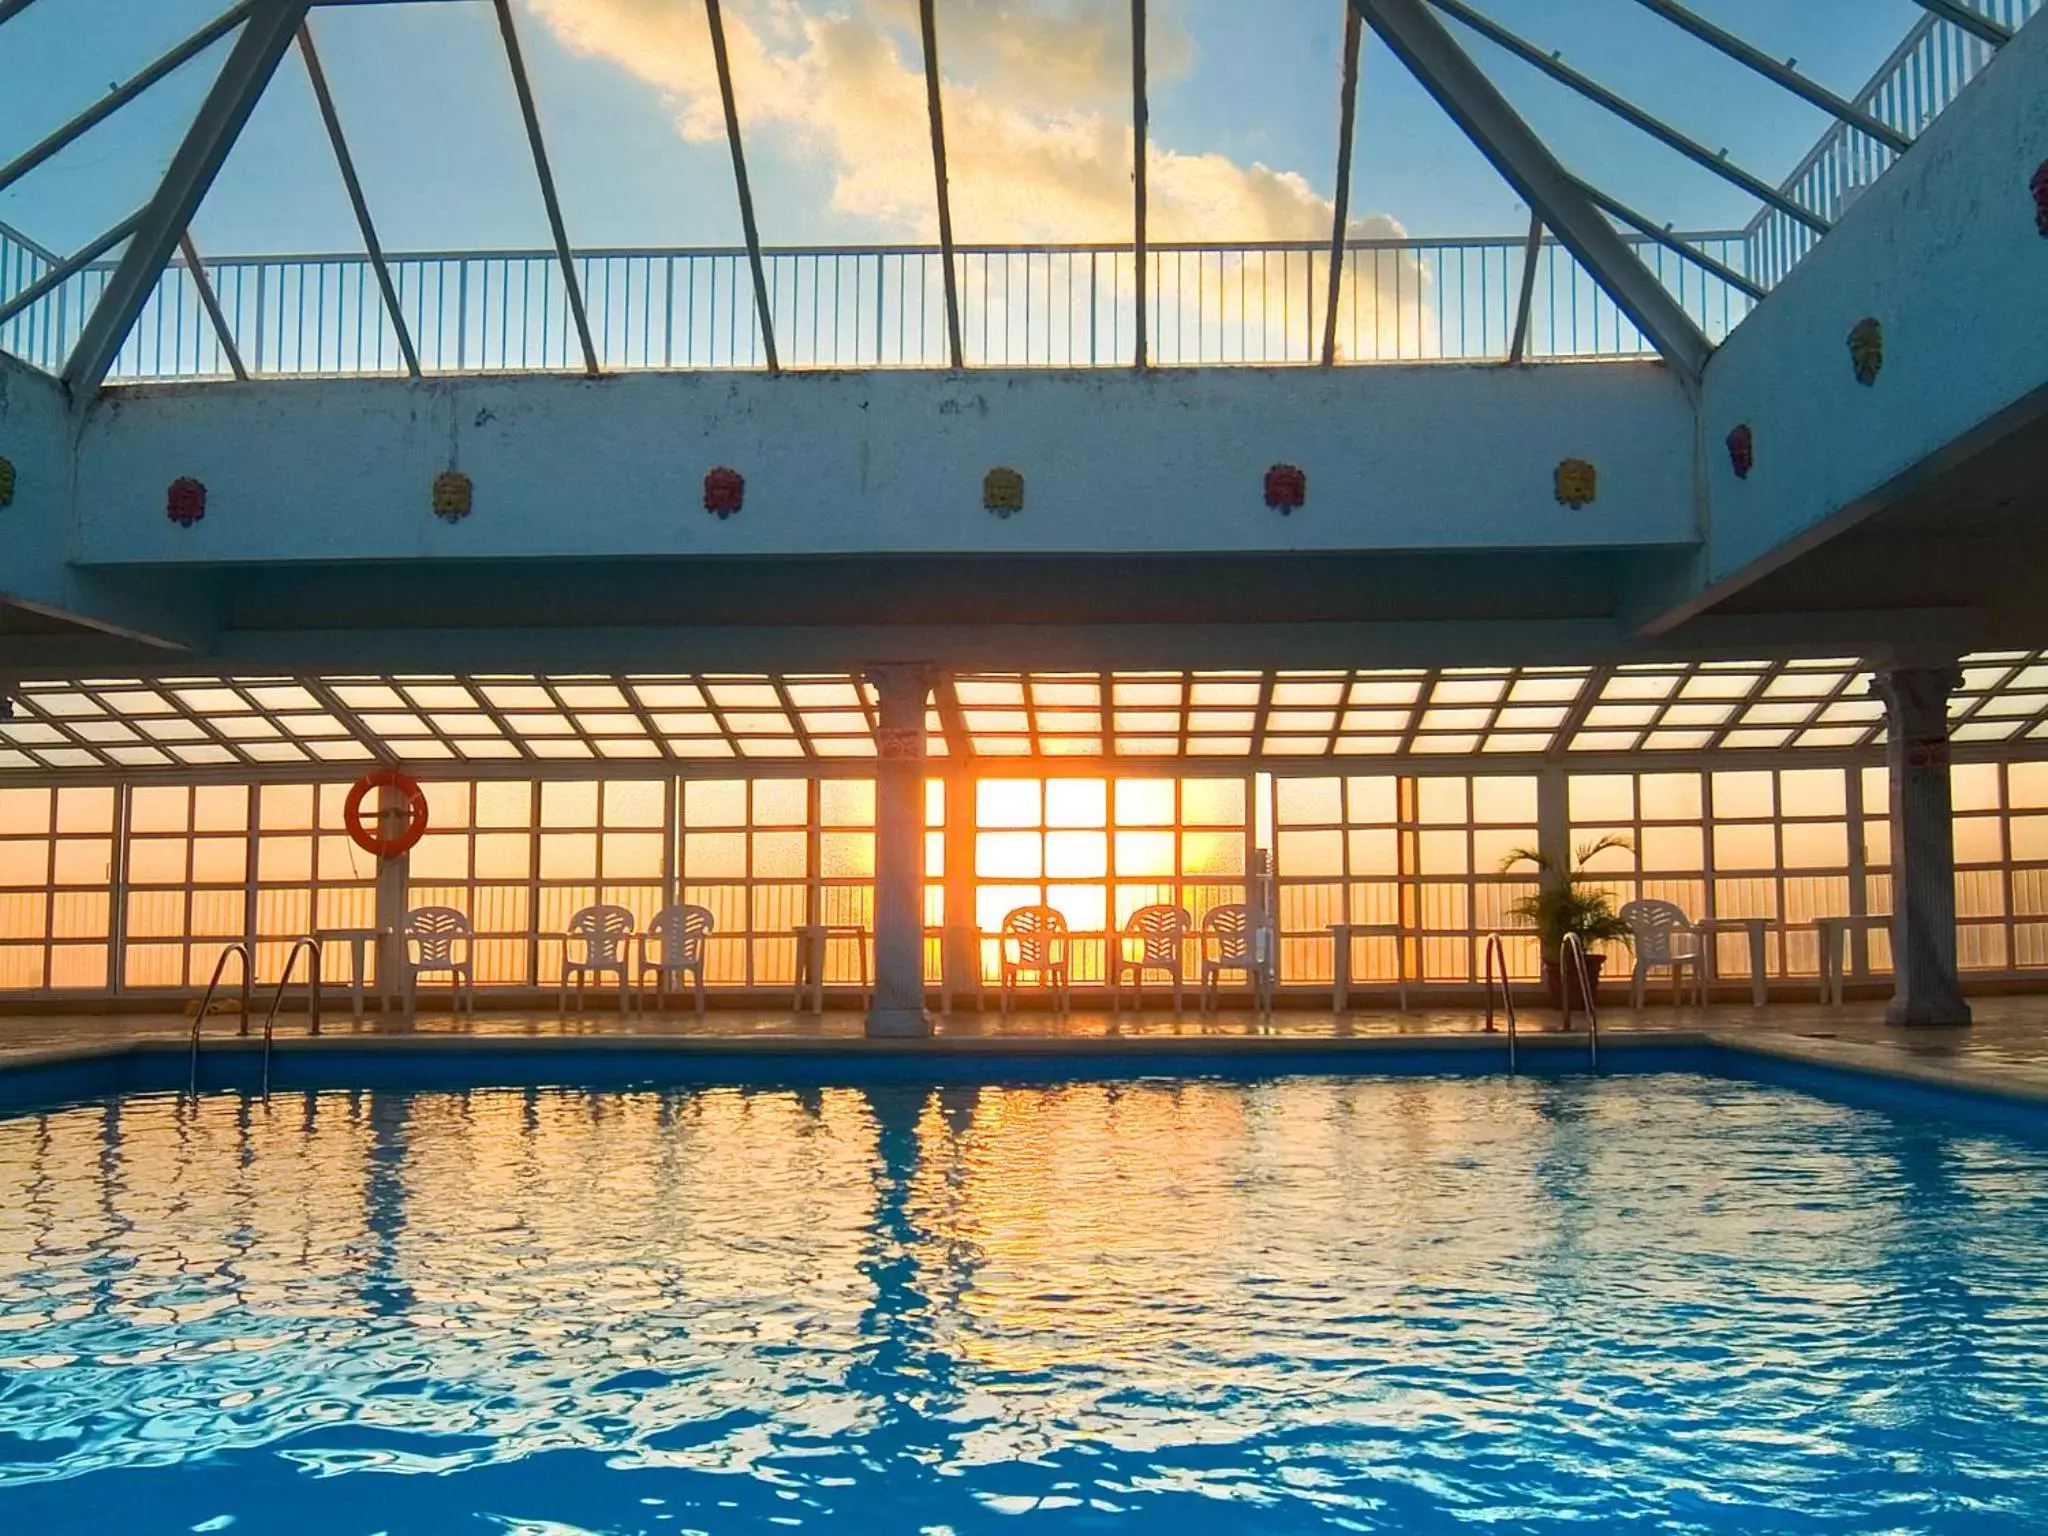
(60, 57)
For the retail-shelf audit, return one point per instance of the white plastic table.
(358, 941)
(1341, 934)
(812, 942)
(1833, 961)
(1758, 929)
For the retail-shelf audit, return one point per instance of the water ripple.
(1656, 1304)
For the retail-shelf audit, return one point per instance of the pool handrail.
(206, 1002)
(1495, 947)
(1574, 949)
(304, 942)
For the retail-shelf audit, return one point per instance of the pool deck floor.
(2005, 1052)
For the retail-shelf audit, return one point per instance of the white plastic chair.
(1665, 938)
(606, 934)
(432, 937)
(684, 934)
(1232, 941)
(1034, 940)
(1151, 941)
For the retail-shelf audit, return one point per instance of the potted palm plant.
(1572, 904)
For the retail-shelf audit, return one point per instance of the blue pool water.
(1657, 1303)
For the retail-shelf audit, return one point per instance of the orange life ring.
(372, 841)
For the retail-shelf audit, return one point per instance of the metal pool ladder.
(310, 946)
(1574, 949)
(1497, 951)
(206, 1003)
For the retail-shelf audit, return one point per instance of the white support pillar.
(1925, 989)
(394, 880)
(898, 1009)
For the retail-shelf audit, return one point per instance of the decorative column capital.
(1916, 700)
(904, 688)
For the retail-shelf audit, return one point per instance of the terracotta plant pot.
(1553, 982)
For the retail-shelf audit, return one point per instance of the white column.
(898, 1009)
(1925, 986)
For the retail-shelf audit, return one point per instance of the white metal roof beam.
(225, 112)
(70, 267)
(1141, 119)
(210, 301)
(928, 23)
(745, 189)
(1347, 125)
(1425, 46)
(1612, 101)
(531, 115)
(9, 9)
(1754, 58)
(122, 94)
(1971, 20)
(345, 162)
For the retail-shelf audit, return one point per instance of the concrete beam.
(1943, 252)
(1399, 458)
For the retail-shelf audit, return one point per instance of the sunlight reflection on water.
(1359, 1304)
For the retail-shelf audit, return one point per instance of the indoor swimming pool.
(1659, 1302)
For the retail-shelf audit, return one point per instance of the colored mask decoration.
(1002, 491)
(1866, 349)
(1286, 488)
(725, 492)
(185, 504)
(1742, 451)
(453, 495)
(1578, 484)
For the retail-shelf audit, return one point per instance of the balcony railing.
(1071, 306)
(1924, 74)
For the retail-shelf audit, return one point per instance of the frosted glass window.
(847, 802)
(1145, 854)
(1744, 796)
(1077, 803)
(715, 803)
(1440, 802)
(1504, 802)
(1311, 854)
(1812, 792)
(1309, 802)
(1212, 802)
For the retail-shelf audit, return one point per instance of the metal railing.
(1055, 306)
(1496, 949)
(1058, 306)
(1572, 967)
(1923, 76)
(206, 1002)
(312, 946)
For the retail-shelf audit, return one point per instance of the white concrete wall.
(1944, 251)
(34, 433)
(1398, 458)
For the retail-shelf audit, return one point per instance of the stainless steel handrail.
(206, 1002)
(277, 999)
(1574, 949)
(1495, 948)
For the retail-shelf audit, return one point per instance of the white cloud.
(1037, 110)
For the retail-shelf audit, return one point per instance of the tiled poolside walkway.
(2006, 1050)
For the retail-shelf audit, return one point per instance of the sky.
(1243, 95)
